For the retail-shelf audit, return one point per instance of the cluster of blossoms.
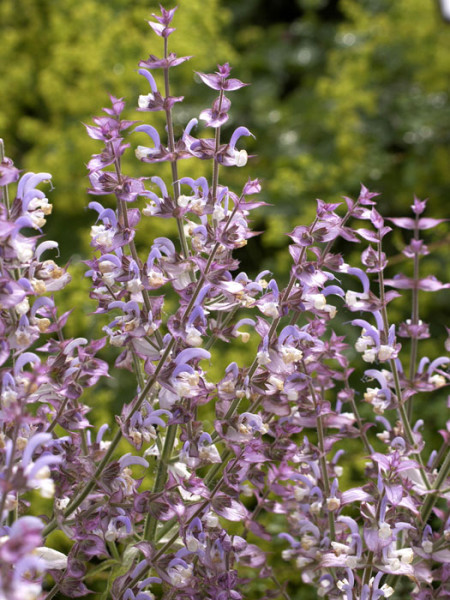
(263, 447)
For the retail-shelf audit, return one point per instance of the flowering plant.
(192, 507)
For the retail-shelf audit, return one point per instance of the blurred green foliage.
(343, 92)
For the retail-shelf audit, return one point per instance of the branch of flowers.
(176, 535)
(141, 381)
(84, 444)
(414, 317)
(427, 507)
(122, 208)
(225, 456)
(276, 321)
(134, 253)
(211, 257)
(151, 521)
(217, 467)
(407, 426)
(398, 389)
(173, 163)
(114, 443)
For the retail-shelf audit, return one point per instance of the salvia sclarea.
(197, 486)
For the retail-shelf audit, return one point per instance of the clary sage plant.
(220, 475)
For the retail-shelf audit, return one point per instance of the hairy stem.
(161, 476)
(414, 319)
(173, 162)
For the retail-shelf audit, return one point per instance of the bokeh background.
(342, 92)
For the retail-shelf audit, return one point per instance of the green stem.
(113, 549)
(364, 437)
(4, 189)
(322, 457)
(215, 177)
(433, 497)
(414, 319)
(173, 163)
(52, 592)
(398, 388)
(161, 476)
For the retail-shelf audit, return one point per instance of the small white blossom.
(287, 554)
(363, 343)
(52, 559)
(144, 100)
(209, 453)
(211, 520)
(42, 481)
(134, 286)
(387, 590)
(240, 157)
(179, 575)
(193, 336)
(370, 355)
(22, 307)
(437, 380)
(339, 548)
(333, 503)
(23, 250)
(102, 236)
(143, 152)
(384, 531)
(385, 352)
(150, 209)
(183, 201)
(180, 470)
(317, 300)
(270, 309)
(263, 358)
(289, 354)
(218, 213)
